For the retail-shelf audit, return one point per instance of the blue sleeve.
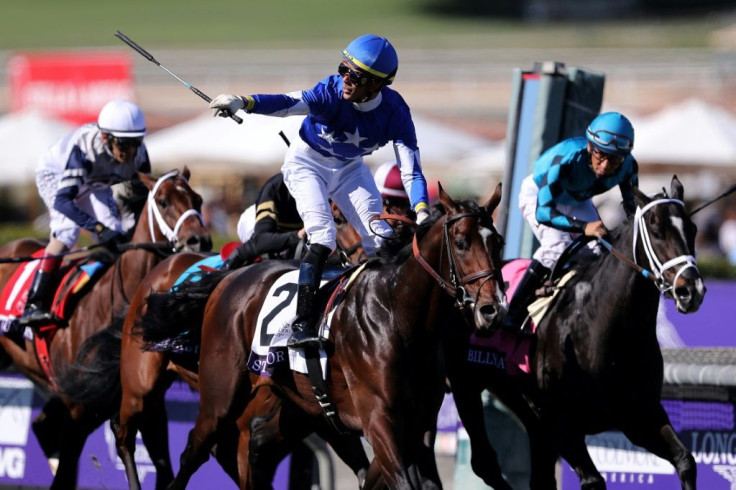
(143, 163)
(71, 180)
(550, 189)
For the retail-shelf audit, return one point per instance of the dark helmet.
(373, 54)
(611, 133)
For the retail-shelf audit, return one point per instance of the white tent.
(24, 137)
(692, 133)
(256, 146)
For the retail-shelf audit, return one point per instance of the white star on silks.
(353, 138)
(328, 137)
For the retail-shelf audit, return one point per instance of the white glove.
(422, 215)
(225, 105)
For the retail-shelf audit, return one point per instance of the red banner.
(69, 85)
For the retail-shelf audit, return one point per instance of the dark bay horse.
(147, 374)
(171, 213)
(384, 376)
(596, 363)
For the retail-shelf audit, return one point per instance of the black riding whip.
(153, 60)
(722, 195)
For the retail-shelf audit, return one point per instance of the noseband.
(454, 287)
(154, 214)
(657, 267)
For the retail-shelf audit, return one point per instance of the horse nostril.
(488, 311)
(683, 293)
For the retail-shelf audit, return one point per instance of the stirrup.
(35, 316)
(304, 337)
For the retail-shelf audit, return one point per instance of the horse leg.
(575, 452)
(75, 435)
(349, 449)
(47, 427)
(652, 431)
(154, 429)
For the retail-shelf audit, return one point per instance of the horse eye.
(461, 244)
(163, 203)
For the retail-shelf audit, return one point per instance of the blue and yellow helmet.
(373, 55)
(612, 133)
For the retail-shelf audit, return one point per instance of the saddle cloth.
(14, 295)
(506, 351)
(273, 328)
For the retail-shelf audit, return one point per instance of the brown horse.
(596, 363)
(171, 213)
(146, 375)
(384, 376)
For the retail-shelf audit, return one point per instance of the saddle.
(77, 278)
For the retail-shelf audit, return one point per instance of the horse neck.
(619, 291)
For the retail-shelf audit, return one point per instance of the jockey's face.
(123, 149)
(356, 85)
(604, 164)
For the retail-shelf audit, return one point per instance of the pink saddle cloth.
(502, 350)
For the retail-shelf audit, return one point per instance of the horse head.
(473, 251)
(174, 212)
(664, 243)
(349, 244)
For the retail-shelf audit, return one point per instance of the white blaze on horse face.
(679, 225)
(486, 233)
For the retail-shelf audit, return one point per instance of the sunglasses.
(607, 138)
(356, 78)
(124, 143)
(613, 159)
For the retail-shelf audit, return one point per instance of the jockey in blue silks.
(348, 115)
(556, 200)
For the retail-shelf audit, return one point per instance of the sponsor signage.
(23, 464)
(706, 429)
(72, 86)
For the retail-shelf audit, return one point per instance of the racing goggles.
(124, 143)
(611, 140)
(356, 78)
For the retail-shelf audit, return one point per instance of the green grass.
(50, 24)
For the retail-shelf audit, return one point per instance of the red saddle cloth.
(502, 350)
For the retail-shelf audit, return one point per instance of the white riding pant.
(98, 203)
(552, 242)
(312, 179)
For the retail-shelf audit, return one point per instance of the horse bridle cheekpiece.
(455, 287)
(657, 267)
(154, 214)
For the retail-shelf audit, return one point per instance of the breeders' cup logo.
(727, 472)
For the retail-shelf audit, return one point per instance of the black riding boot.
(524, 295)
(304, 333)
(39, 301)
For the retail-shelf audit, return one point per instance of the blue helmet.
(611, 133)
(373, 54)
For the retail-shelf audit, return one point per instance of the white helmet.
(123, 119)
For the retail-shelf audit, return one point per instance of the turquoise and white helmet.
(122, 119)
(374, 55)
(611, 133)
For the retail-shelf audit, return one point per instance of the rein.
(155, 215)
(657, 268)
(454, 287)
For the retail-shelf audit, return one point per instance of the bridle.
(656, 266)
(455, 287)
(154, 214)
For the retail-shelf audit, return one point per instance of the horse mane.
(402, 254)
(170, 313)
(94, 378)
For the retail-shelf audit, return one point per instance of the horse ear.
(493, 201)
(185, 173)
(676, 188)
(445, 200)
(147, 180)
